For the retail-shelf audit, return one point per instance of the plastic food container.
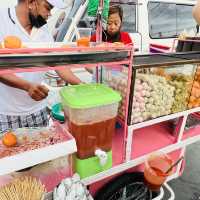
(93, 165)
(181, 79)
(57, 112)
(161, 91)
(83, 39)
(155, 171)
(91, 110)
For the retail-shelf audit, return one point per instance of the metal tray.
(8, 61)
(156, 60)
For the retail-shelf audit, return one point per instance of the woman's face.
(114, 24)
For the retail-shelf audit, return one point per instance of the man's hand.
(37, 92)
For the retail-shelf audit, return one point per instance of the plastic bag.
(71, 188)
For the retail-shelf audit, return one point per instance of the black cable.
(197, 28)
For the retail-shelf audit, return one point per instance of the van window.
(167, 20)
(129, 19)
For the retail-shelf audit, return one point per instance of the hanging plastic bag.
(93, 7)
(73, 189)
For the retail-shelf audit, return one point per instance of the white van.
(153, 24)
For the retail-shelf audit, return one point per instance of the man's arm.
(35, 91)
(196, 12)
(67, 75)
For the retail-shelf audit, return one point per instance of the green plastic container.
(57, 112)
(91, 110)
(91, 166)
(89, 102)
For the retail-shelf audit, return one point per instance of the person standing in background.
(113, 32)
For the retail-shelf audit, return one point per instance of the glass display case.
(161, 84)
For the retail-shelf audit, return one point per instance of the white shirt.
(16, 101)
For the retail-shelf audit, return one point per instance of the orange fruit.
(12, 42)
(9, 139)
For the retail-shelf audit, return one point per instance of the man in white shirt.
(23, 98)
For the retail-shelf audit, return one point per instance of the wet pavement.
(187, 187)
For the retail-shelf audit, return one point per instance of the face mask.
(38, 21)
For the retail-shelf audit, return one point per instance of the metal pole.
(99, 35)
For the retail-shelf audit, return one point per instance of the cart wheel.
(128, 186)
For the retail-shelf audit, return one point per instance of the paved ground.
(187, 187)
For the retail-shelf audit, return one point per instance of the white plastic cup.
(85, 32)
(83, 37)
